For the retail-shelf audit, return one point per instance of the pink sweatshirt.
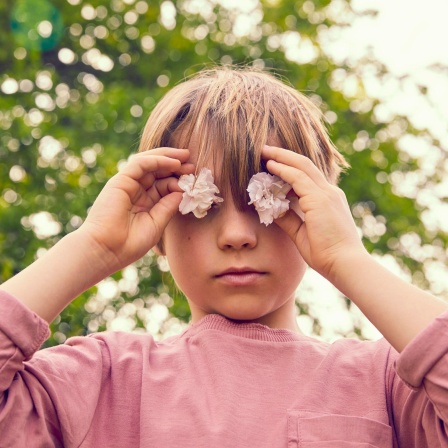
(219, 384)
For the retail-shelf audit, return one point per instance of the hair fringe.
(231, 112)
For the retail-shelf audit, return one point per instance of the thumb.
(294, 227)
(290, 223)
(164, 210)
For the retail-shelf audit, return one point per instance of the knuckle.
(132, 157)
(336, 190)
(341, 193)
(306, 161)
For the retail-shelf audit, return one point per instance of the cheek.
(188, 264)
(287, 251)
(182, 246)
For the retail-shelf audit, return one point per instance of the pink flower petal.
(268, 194)
(199, 193)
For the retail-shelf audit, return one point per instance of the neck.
(282, 321)
(281, 318)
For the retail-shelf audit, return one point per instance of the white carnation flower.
(199, 193)
(268, 194)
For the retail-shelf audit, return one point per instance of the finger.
(295, 160)
(186, 168)
(177, 153)
(145, 200)
(161, 166)
(290, 223)
(147, 169)
(164, 210)
(295, 206)
(148, 179)
(295, 228)
(165, 186)
(301, 183)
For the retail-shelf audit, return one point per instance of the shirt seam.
(104, 346)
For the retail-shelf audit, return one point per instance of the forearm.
(70, 267)
(398, 309)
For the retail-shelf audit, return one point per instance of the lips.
(241, 276)
(242, 270)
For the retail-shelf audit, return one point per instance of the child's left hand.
(327, 234)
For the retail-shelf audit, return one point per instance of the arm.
(54, 280)
(51, 396)
(399, 310)
(328, 240)
(126, 221)
(414, 322)
(49, 399)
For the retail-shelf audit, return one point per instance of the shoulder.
(112, 341)
(349, 350)
(356, 358)
(368, 363)
(98, 351)
(363, 352)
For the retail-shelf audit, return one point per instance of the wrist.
(346, 265)
(96, 260)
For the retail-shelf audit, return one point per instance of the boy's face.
(229, 263)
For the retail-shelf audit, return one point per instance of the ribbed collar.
(255, 331)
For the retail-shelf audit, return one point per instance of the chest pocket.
(314, 430)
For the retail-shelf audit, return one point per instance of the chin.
(241, 315)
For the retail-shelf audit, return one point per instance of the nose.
(238, 229)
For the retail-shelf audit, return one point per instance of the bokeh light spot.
(17, 173)
(20, 53)
(45, 28)
(10, 86)
(66, 56)
(163, 80)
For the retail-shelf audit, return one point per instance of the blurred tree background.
(78, 79)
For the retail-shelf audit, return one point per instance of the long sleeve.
(419, 403)
(46, 398)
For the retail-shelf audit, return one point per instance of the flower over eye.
(268, 194)
(199, 193)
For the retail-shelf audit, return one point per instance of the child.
(242, 375)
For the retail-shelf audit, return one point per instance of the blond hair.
(239, 111)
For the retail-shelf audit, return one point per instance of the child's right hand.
(129, 215)
(126, 220)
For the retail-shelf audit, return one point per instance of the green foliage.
(78, 81)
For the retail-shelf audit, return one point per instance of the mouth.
(240, 276)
